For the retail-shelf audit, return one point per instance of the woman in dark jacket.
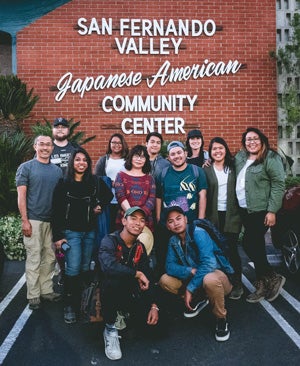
(222, 207)
(78, 199)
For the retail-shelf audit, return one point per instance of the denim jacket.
(201, 253)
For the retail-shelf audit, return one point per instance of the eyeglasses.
(60, 127)
(116, 143)
(137, 157)
(254, 139)
(42, 144)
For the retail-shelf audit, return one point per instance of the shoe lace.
(113, 341)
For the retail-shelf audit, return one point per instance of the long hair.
(141, 151)
(265, 146)
(229, 160)
(125, 149)
(188, 146)
(87, 176)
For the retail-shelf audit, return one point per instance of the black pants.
(254, 241)
(234, 257)
(123, 294)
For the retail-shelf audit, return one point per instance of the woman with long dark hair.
(222, 207)
(259, 189)
(78, 199)
(109, 165)
(135, 186)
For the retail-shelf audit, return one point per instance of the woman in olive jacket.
(259, 189)
(222, 207)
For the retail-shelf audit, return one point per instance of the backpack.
(91, 303)
(213, 232)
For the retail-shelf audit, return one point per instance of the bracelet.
(155, 307)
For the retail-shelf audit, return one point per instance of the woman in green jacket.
(259, 189)
(222, 207)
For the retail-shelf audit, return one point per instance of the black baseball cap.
(170, 209)
(60, 121)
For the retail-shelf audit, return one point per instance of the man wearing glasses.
(36, 180)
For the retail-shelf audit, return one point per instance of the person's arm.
(22, 205)
(158, 208)
(202, 204)
(149, 204)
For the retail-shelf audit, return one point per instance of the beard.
(61, 138)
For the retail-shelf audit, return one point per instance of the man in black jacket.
(126, 278)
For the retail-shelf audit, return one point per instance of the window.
(280, 135)
(286, 35)
(278, 35)
(279, 100)
(290, 148)
(286, 4)
(278, 4)
(5, 53)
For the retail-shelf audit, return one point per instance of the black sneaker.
(200, 305)
(222, 330)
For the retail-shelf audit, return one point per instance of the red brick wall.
(226, 105)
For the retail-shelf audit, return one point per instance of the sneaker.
(276, 282)
(52, 296)
(35, 303)
(69, 315)
(200, 305)
(120, 323)
(222, 330)
(236, 292)
(112, 344)
(260, 292)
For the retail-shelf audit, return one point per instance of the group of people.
(152, 207)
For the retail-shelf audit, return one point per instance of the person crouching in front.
(194, 262)
(127, 280)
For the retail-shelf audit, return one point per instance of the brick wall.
(226, 105)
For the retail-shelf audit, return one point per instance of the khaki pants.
(216, 285)
(40, 260)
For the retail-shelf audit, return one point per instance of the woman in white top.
(110, 165)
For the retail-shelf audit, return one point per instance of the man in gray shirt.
(36, 180)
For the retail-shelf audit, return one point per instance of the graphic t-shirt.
(61, 155)
(181, 188)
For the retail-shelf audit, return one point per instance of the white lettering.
(139, 125)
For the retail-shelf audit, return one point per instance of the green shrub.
(77, 137)
(292, 182)
(11, 237)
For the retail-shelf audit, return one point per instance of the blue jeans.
(78, 257)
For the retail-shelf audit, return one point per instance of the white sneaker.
(112, 344)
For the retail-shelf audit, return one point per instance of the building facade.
(288, 138)
(168, 66)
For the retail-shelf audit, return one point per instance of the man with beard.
(182, 185)
(62, 147)
(62, 150)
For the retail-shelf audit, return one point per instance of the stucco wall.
(225, 105)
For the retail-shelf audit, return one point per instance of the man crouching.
(193, 264)
(126, 278)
